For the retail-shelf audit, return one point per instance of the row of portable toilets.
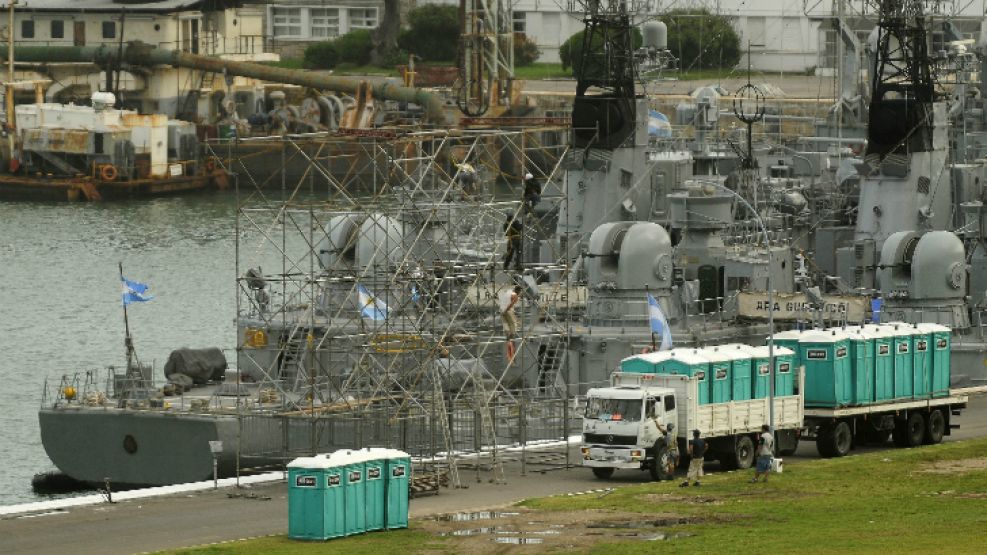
(348, 492)
(860, 365)
(732, 372)
(854, 365)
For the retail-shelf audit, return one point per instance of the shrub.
(702, 40)
(525, 50)
(354, 47)
(433, 33)
(321, 55)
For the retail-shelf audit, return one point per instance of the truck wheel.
(742, 456)
(659, 464)
(935, 427)
(603, 473)
(909, 432)
(841, 438)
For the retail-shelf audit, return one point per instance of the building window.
(27, 29)
(756, 32)
(57, 29)
(520, 22)
(363, 18)
(287, 22)
(324, 22)
(109, 30)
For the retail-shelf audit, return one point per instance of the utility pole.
(9, 89)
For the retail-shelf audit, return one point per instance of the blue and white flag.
(370, 306)
(659, 325)
(416, 295)
(134, 292)
(658, 125)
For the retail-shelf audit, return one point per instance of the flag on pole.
(134, 292)
(370, 306)
(659, 325)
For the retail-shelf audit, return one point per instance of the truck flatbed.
(884, 407)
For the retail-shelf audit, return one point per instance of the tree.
(571, 51)
(702, 40)
(433, 33)
(321, 55)
(385, 36)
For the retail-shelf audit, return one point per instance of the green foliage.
(355, 47)
(702, 40)
(433, 33)
(571, 51)
(525, 50)
(321, 55)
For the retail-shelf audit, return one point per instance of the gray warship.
(382, 324)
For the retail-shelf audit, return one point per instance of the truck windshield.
(626, 410)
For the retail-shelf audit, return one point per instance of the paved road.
(195, 519)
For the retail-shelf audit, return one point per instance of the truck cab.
(620, 429)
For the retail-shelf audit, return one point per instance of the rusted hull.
(54, 189)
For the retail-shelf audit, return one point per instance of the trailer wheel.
(790, 450)
(909, 432)
(935, 427)
(659, 464)
(603, 473)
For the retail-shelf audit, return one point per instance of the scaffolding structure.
(381, 324)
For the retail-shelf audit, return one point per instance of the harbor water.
(60, 300)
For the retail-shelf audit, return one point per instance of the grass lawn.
(542, 71)
(931, 499)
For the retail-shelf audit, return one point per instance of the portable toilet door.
(790, 340)
(921, 363)
(903, 361)
(740, 370)
(883, 361)
(375, 480)
(825, 355)
(784, 371)
(690, 362)
(306, 488)
(335, 503)
(354, 488)
(861, 344)
(397, 476)
(939, 337)
(720, 363)
(760, 373)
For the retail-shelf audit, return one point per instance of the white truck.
(620, 424)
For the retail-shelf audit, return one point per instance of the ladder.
(487, 431)
(443, 416)
(550, 364)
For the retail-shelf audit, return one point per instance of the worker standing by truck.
(696, 450)
(765, 451)
(671, 444)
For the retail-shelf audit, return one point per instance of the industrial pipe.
(142, 54)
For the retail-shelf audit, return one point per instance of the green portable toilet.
(315, 504)
(375, 501)
(940, 341)
(353, 465)
(789, 340)
(904, 363)
(397, 476)
(785, 370)
(828, 374)
(720, 365)
(883, 360)
(760, 372)
(740, 370)
(689, 362)
(646, 363)
(861, 343)
(922, 352)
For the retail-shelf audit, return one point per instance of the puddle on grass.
(672, 521)
(468, 517)
(517, 540)
(471, 532)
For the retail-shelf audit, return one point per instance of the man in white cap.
(532, 192)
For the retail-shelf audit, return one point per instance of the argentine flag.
(658, 125)
(134, 292)
(370, 306)
(659, 325)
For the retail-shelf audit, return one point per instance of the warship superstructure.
(382, 323)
